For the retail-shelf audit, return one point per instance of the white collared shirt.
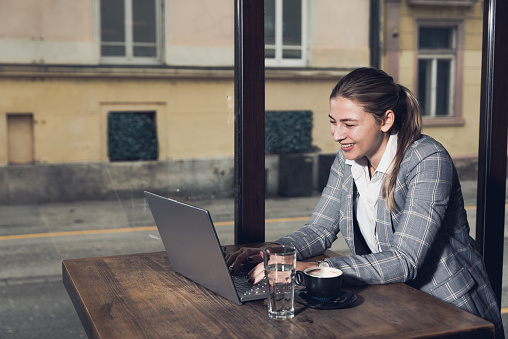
(368, 190)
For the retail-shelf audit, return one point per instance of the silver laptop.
(194, 250)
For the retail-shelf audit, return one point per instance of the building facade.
(435, 49)
(71, 73)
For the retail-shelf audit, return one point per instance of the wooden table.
(140, 296)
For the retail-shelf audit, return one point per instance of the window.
(129, 31)
(132, 136)
(439, 76)
(285, 27)
(436, 68)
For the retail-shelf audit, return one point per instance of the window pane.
(112, 20)
(113, 51)
(145, 51)
(424, 71)
(270, 22)
(291, 54)
(443, 87)
(269, 53)
(292, 23)
(435, 37)
(144, 21)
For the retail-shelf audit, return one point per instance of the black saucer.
(344, 299)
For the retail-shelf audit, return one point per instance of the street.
(34, 239)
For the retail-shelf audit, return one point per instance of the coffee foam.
(322, 272)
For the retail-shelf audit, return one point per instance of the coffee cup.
(322, 283)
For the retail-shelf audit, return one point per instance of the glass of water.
(280, 263)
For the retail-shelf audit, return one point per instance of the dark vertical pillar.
(492, 145)
(249, 121)
(374, 31)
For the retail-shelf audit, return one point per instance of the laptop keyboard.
(245, 289)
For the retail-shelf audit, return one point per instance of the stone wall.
(189, 179)
(194, 179)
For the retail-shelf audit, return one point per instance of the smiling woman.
(358, 132)
(395, 196)
(392, 109)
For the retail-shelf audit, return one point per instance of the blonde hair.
(376, 92)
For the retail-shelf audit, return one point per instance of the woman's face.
(357, 131)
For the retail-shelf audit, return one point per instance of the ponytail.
(409, 128)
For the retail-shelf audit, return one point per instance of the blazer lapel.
(346, 209)
(384, 224)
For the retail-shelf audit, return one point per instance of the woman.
(395, 196)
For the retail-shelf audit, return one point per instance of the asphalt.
(34, 239)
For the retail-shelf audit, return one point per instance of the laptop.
(194, 250)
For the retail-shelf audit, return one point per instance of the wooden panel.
(20, 138)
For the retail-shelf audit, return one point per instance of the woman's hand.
(258, 272)
(249, 254)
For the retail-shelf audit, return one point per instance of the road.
(34, 239)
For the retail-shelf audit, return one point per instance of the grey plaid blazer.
(425, 242)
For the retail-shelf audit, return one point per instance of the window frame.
(129, 43)
(457, 64)
(279, 61)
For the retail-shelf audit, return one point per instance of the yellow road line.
(84, 232)
(504, 310)
(123, 230)
(146, 228)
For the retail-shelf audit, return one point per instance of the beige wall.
(339, 39)
(48, 31)
(196, 32)
(462, 140)
(71, 116)
(194, 105)
(199, 32)
(194, 117)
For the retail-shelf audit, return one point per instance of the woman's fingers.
(255, 258)
(239, 257)
(231, 257)
(257, 273)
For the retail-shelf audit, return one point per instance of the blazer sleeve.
(321, 229)
(422, 193)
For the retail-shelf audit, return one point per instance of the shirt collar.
(386, 160)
